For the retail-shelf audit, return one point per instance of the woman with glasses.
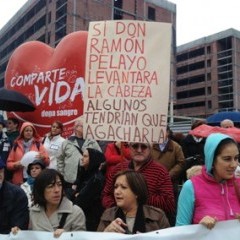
(131, 215)
(52, 211)
(53, 143)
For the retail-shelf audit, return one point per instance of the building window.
(209, 104)
(209, 76)
(190, 67)
(151, 13)
(208, 49)
(209, 91)
(191, 93)
(208, 63)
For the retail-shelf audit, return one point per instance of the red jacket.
(114, 156)
(160, 189)
(17, 153)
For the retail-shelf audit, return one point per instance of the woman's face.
(123, 195)
(35, 170)
(53, 192)
(28, 133)
(55, 129)
(85, 159)
(226, 163)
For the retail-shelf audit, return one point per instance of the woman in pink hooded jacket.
(214, 194)
(28, 140)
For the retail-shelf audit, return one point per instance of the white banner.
(229, 230)
(127, 81)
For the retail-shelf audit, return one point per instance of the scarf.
(30, 181)
(139, 224)
(26, 145)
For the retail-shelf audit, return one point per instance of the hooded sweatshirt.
(20, 147)
(202, 195)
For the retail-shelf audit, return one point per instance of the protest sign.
(127, 81)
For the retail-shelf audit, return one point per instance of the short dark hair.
(197, 123)
(14, 120)
(46, 177)
(137, 184)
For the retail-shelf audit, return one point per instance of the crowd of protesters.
(76, 184)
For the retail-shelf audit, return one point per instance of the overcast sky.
(195, 18)
(201, 18)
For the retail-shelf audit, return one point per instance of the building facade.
(50, 20)
(208, 75)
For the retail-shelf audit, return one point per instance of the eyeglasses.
(136, 146)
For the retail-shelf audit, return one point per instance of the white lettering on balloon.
(51, 86)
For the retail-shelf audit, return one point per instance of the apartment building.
(208, 75)
(50, 20)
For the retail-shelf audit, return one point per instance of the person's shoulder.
(14, 190)
(76, 209)
(12, 186)
(175, 144)
(150, 208)
(155, 165)
(188, 185)
(35, 208)
(151, 211)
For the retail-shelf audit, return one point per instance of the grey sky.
(195, 18)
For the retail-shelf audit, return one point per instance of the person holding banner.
(213, 195)
(158, 179)
(52, 211)
(131, 215)
(13, 204)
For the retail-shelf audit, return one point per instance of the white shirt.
(53, 148)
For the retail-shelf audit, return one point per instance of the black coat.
(90, 184)
(13, 208)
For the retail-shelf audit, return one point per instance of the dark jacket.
(5, 146)
(155, 218)
(13, 208)
(192, 148)
(90, 184)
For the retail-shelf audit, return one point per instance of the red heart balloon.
(53, 79)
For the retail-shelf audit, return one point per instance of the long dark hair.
(46, 177)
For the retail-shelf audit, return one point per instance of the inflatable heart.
(53, 79)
